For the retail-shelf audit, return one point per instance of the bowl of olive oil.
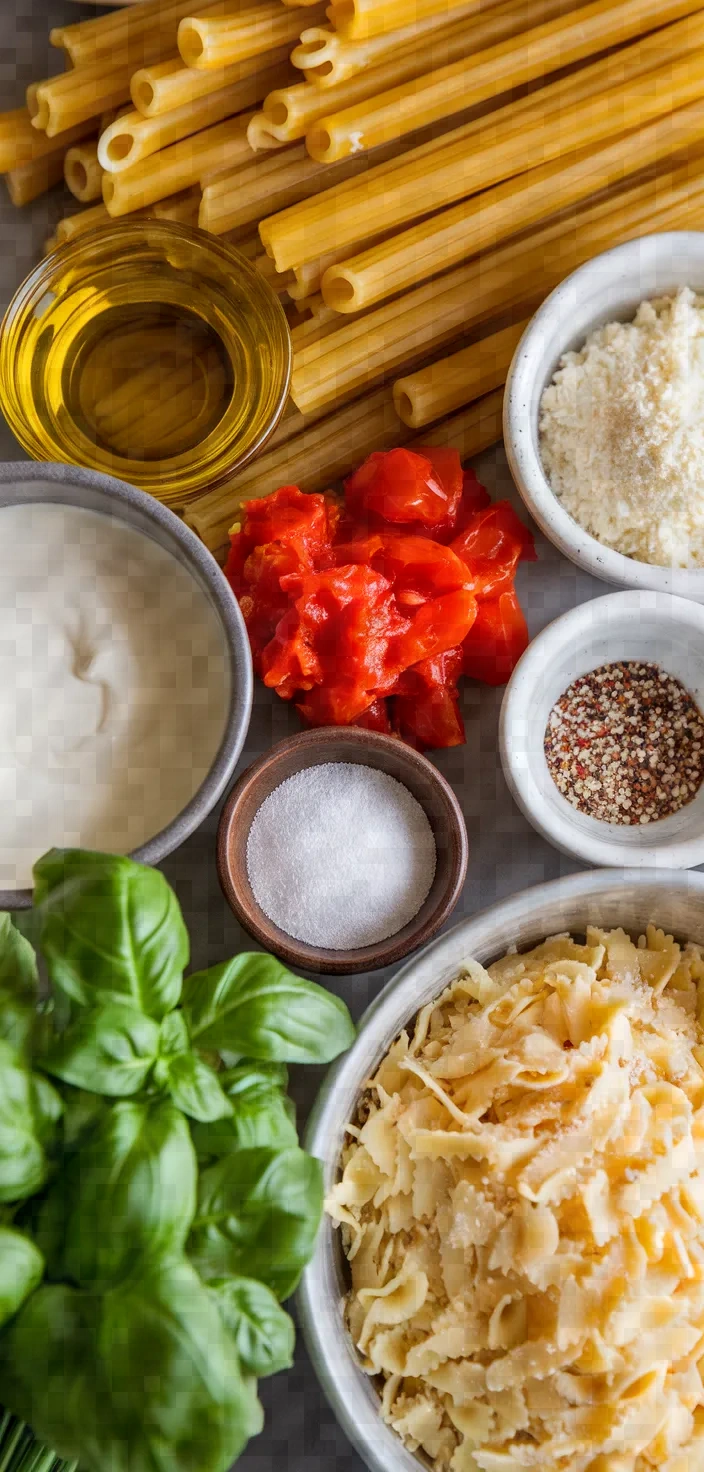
(149, 351)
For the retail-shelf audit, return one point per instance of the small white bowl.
(608, 288)
(653, 627)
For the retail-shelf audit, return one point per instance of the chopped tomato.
(375, 718)
(491, 546)
(306, 523)
(430, 719)
(401, 486)
(435, 627)
(368, 615)
(496, 640)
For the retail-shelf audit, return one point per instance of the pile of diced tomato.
(367, 613)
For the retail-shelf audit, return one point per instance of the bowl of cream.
(604, 415)
(125, 672)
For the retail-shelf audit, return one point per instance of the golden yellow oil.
(149, 351)
(147, 384)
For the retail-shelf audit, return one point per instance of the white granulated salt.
(622, 433)
(340, 856)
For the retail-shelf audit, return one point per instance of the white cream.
(114, 685)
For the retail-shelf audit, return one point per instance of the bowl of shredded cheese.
(604, 415)
(512, 1267)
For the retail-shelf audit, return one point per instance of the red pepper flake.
(625, 744)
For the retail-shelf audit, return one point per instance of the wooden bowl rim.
(317, 958)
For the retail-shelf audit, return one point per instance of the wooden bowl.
(367, 748)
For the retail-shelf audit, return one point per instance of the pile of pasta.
(411, 178)
(522, 1207)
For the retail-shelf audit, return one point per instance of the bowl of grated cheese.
(604, 415)
(510, 1271)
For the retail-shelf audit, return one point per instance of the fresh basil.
(23, 1163)
(174, 1367)
(260, 1114)
(51, 1374)
(254, 1006)
(110, 926)
(173, 1035)
(114, 1348)
(108, 1049)
(193, 1086)
(258, 1214)
(130, 1193)
(18, 985)
(21, 1271)
(263, 1332)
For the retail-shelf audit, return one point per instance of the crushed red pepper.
(366, 614)
(625, 744)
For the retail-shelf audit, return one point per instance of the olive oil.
(147, 350)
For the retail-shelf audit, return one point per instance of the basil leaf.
(173, 1035)
(253, 1005)
(110, 926)
(193, 1086)
(250, 1074)
(174, 1367)
(261, 1116)
(258, 1214)
(51, 1374)
(129, 1191)
(18, 985)
(263, 1332)
(47, 1108)
(108, 1049)
(23, 1164)
(21, 1271)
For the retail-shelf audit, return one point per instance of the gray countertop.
(505, 855)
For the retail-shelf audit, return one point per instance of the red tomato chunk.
(368, 614)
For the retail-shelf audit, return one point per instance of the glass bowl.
(149, 351)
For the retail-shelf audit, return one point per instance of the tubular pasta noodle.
(561, 1227)
(314, 228)
(169, 84)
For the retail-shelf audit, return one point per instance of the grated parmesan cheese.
(622, 433)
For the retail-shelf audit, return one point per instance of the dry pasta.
(20, 142)
(70, 99)
(557, 43)
(215, 41)
(522, 1206)
(327, 58)
(359, 19)
(552, 122)
(293, 111)
(133, 137)
(28, 181)
(83, 173)
(176, 168)
(517, 274)
(168, 84)
(480, 222)
(444, 386)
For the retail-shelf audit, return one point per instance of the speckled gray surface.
(505, 855)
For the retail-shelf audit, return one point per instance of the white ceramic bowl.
(606, 289)
(654, 627)
(629, 898)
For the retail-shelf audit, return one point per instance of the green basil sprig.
(154, 1203)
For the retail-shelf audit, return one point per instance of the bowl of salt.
(342, 850)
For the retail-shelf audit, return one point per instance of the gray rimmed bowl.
(40, 481)
(673, 899)
(608, 288)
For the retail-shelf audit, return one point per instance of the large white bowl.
(627, 897)
(651, 627)
(608, 288)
